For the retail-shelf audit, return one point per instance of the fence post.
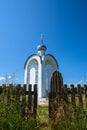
(35, 101)
(60, 82)
(85, 90)
(66, 93)
(3, 91)
(80, 95)
(11, 93)
(23, 99)
(8, 96)
(18, 92)
(30, 98)
(73, 102)
(18, 88)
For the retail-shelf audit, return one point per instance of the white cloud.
(9, 77)
(2, 78)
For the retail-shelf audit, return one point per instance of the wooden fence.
(18, 94)
(61, 97)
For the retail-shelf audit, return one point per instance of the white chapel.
(39, 68)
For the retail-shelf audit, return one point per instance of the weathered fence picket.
(85, 88)
(30, 98)
(56, 95)
(35, 101)
(73, 101)
(80, 95)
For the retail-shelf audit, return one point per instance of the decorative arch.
(49, 68)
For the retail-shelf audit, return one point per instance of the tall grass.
(11, 118)
(76, 119)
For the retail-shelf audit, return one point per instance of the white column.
(25, 76)
(40, 81)
(43, 81)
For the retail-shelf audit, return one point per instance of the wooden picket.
(56, 95)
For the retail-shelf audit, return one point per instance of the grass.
(42, 116)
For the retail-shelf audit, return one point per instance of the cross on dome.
(41, 47)
(41, 38)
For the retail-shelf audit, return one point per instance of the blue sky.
(64, 25)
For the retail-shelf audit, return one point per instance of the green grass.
(43, 118)
(42, 115)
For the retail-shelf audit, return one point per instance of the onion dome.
(41, 47)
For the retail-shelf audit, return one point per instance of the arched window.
(32, 74)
